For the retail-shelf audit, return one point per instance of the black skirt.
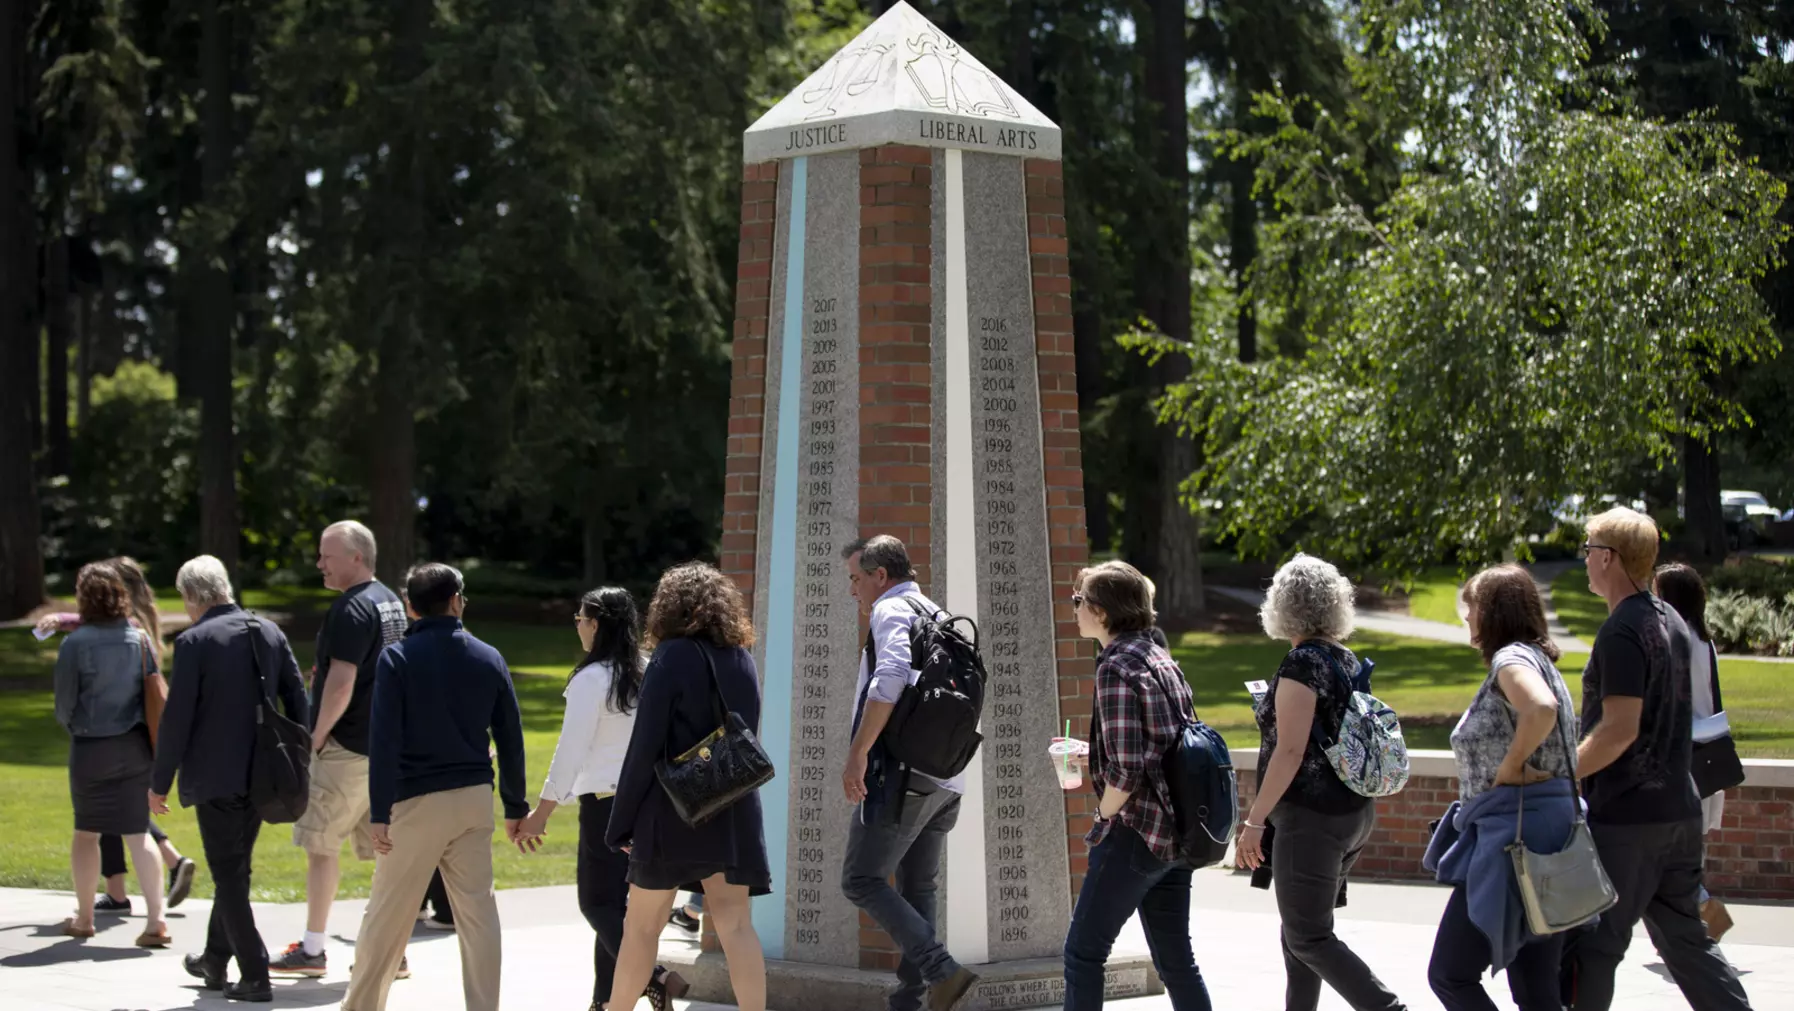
(109, 780)
(668, 875)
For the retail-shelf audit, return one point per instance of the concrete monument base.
(1022, 983)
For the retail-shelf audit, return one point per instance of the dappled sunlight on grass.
(1434, 596)
(1577, 606)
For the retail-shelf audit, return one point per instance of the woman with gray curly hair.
(1320, 825)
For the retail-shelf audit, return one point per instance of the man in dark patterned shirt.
(1142, 702)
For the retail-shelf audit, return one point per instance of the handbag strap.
(716, 696)
(1713, 657)
(1569, 756)
(255, 661)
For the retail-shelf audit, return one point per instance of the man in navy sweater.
(438, 692)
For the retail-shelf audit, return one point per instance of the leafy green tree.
(1535, 304)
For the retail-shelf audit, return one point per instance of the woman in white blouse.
(601, 698)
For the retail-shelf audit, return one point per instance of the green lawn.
(1577, 606)
(34, 801)
(1429, 683)
(1435, 596)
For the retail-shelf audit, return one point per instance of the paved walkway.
(548, 951)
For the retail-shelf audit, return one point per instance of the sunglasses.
(1586, 548)
(1077, 601)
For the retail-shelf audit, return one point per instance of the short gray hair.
(359, 537)
(1308, 599)
(204, 580)
(881, 552)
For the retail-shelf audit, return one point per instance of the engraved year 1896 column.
(903, 366)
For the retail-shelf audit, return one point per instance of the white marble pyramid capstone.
(901, 81)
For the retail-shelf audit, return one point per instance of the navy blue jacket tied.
(1470, 848)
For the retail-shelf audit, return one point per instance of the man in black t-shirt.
(364, 620)
(1638, 713)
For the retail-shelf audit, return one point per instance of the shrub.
(1747, 624)
(1753, 577)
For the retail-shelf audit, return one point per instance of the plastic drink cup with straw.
(1069, 756)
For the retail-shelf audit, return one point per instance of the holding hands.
(527, 833)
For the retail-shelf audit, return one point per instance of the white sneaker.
(432, 923)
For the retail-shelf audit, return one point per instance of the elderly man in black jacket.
(225, 665)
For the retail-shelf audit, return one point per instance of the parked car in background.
(1747, 517)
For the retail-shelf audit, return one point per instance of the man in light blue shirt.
(903, 818)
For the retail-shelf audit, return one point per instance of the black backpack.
(934, 727)
(280, 762)
(1205, 799)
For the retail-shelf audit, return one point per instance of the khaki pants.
(451, 830)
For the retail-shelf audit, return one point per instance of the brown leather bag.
(155, 691)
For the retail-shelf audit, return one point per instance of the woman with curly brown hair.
(699, 629)
(99, 701)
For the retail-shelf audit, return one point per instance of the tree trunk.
(84, 316)
(1243, 237)
(1177, 563)
(1705, 523)
(214, 309)
(394, 455)
(595, 529)
(57, 310)
(1086, 325)
(21, 549)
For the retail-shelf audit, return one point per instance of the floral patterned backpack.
(1367, 751)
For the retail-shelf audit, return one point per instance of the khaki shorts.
(338, 808)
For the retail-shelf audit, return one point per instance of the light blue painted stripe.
(781, 590)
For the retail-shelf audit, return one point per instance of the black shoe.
(180, 881)
(665, 986)
(684, 921)
(261, 992)
(295, 962)
(209, 974)
(108, 904)
(945, 995)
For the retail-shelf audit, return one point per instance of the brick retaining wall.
(1751, 857)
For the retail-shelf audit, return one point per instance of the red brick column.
(1066, 536)
(747, 383)
(896, 380)
(747, 389)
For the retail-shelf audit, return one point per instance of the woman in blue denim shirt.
(99, 701)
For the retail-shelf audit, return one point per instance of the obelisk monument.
(903, 364)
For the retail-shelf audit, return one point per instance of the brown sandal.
(70, 930)
(154, 938)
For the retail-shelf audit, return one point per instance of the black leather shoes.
(210, 975)
(260, 992)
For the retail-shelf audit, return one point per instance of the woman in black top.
(698, 622)
(1320, 824)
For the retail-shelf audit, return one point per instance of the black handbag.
(1715, 765)
(280, 763)
(719, 770)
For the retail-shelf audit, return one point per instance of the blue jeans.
(1124, 876)
(908, 844)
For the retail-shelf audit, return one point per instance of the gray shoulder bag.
(1567, 888)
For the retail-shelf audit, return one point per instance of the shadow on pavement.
(71, 950)
(302, 994)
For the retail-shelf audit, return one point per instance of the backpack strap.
(1315, 733)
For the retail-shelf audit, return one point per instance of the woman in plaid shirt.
(1142, 701)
